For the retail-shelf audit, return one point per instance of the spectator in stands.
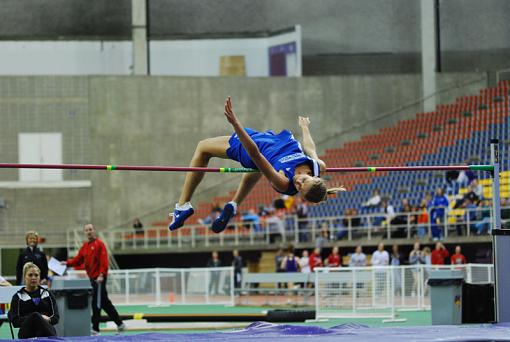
(138, 226)
(304, 265)
(304, 262)
(466, 177)
(278, 259)
(380, 258)
(214, 262)
(275, 225)
(33, 308)
(279, 202)
(315, 259)
(437, 210)
(473, 194)
(351, 219)
(262, 211)
(34, 255)
(422, 218)
(396, 259)
(476, 188)
(416, 258)
(290, 263)
(215, 213)
(403, 220)
(373, 201)
(389, 212)
(323, 238)
(483, 217)
(451, 176)
(301, 211)
(251, 220)
(237, 263)
(94, 256)
(358, 258)
(334, 259)
(470, 213)
(458, 258)
(427, 257)
(289, 166)
(439, 254)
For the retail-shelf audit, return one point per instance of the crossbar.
(239, 169)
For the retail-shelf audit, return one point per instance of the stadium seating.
(457, 133)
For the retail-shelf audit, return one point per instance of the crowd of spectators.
(430, 216)
(289, 262)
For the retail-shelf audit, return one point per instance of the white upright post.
(500, 246)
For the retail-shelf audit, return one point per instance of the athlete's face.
(303, 182)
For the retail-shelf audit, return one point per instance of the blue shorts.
(237, 152)
(266, 142)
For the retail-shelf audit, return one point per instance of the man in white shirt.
(380, 258)
(373, 201)
(358, 259)
(389, 211)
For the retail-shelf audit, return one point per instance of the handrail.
(273, 230)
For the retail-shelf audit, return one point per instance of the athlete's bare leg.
(206, 149)
(248, 181)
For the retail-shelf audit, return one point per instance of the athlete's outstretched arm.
(308, 144)
(279, 181)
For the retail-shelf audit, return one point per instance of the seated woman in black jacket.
(33, 308)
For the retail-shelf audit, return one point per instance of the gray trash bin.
(73, 300)
(446, 296)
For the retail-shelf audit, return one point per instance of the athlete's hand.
(303, 121)
(229, 112)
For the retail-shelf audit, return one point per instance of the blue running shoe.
(221, 222)
(179, 217)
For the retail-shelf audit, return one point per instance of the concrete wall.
(329, 26)
(159, 121)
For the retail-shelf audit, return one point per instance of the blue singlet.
(281, 150)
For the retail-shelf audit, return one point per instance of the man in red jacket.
(94, 257)
(439, 255)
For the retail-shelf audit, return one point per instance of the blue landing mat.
(261, 331)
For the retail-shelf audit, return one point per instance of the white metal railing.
(334, 290)
(378, 291)
(166, 286)
(291, 229)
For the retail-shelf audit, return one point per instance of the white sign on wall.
(40, 148)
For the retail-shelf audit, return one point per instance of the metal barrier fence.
(379, 291)
(166, 286)
(274, 230)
